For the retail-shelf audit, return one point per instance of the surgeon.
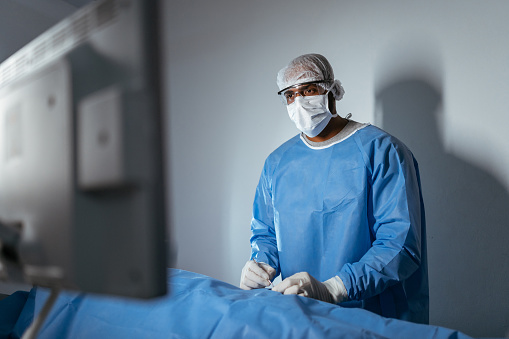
(338, 210)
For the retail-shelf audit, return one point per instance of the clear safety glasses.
(289, 94)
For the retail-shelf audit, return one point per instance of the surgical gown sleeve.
(263, 239)
(394, 213)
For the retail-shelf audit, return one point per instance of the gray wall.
(432, 73)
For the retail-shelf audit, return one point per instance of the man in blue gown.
(338, 210)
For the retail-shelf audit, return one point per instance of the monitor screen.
(82, 192)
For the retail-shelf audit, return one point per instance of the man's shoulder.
(372, 136)
(283, 148)
(275, 157)
(377, 145)
(372, 132)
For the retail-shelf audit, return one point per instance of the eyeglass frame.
(304, 83)
(301, 84)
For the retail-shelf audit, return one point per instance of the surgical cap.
(306, 68)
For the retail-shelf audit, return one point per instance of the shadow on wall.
(467, 213)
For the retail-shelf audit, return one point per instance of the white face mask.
(310, 113)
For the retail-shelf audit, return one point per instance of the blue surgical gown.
(354, 210)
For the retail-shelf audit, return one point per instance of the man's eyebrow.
(294, 89)
(304, 86)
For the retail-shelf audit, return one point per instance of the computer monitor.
(82, 192)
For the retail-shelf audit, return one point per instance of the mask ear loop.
(341, 91)
(327, 96)
(328, 108)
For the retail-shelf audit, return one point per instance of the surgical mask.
(310, 113)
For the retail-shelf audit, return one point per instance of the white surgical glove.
(332, 290)
(256, 275)
(336, 289)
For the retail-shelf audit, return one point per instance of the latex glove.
(256, 275)
(305, 285)
(337, 289)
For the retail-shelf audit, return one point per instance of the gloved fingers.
(294, 289)
(300, 278)
(254, 276)
(304, 284)
(256, 268)
(282, 286)
(287, 283)
(244, 287)
(269, 269)
(251, 281)
(249, 284)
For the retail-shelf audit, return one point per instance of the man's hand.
(305, 285)
(256, 275)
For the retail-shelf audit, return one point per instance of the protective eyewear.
(311, 88)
